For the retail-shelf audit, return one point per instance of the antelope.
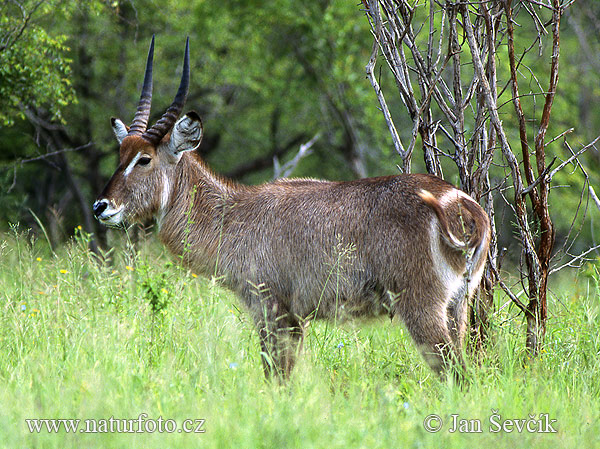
(294, 250)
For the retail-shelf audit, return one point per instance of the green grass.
(83, 340)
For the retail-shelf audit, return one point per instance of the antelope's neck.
(190, 214)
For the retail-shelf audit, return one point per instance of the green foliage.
(154, 289)
(288, 71)
(34, 64)
(78, 339)
(266, 76)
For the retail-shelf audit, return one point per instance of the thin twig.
(570, 263)
(571, 159)
(509, 293)
(564, 133)
(285, 170)
(370, 68)
(594, 197)
(542, 177)
(52, 153)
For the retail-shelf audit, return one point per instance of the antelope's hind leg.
(431, 333)
(457, 318)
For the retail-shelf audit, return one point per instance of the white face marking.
(132, 164)
(111, 216)
(115, 219)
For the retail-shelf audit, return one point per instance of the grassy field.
(143, 339)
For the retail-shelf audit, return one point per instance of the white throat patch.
(165, 195)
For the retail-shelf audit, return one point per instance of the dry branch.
(466, 90)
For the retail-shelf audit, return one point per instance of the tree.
(266, 77)
(456, 67)
(265, 81)
(34, 68)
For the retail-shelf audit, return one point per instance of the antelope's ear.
(119, 128)
(186, 135)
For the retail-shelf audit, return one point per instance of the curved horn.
(166, 122)
(140, 121)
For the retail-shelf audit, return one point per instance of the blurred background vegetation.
(267, 76)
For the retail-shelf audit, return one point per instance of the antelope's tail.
(465, 226)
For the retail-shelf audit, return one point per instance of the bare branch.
(594, 197)
(571, 159)
(50, 154)
(469, 91)
(564, 133)
(526, 235)
(370, 68)
(539, 144)
(543, 177)
(517, 103)
(285, 170)
(571, 262)
(266, 161)
(509, 293)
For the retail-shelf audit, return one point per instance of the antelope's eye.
(145, 160)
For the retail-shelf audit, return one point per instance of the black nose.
(99, 207)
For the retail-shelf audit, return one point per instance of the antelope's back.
(311, 241)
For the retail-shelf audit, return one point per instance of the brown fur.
(411, 246)
(301, 249)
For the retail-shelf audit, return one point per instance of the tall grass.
(87, 340)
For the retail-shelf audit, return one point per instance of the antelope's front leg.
(281, 336)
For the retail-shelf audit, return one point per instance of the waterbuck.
(299, 249)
